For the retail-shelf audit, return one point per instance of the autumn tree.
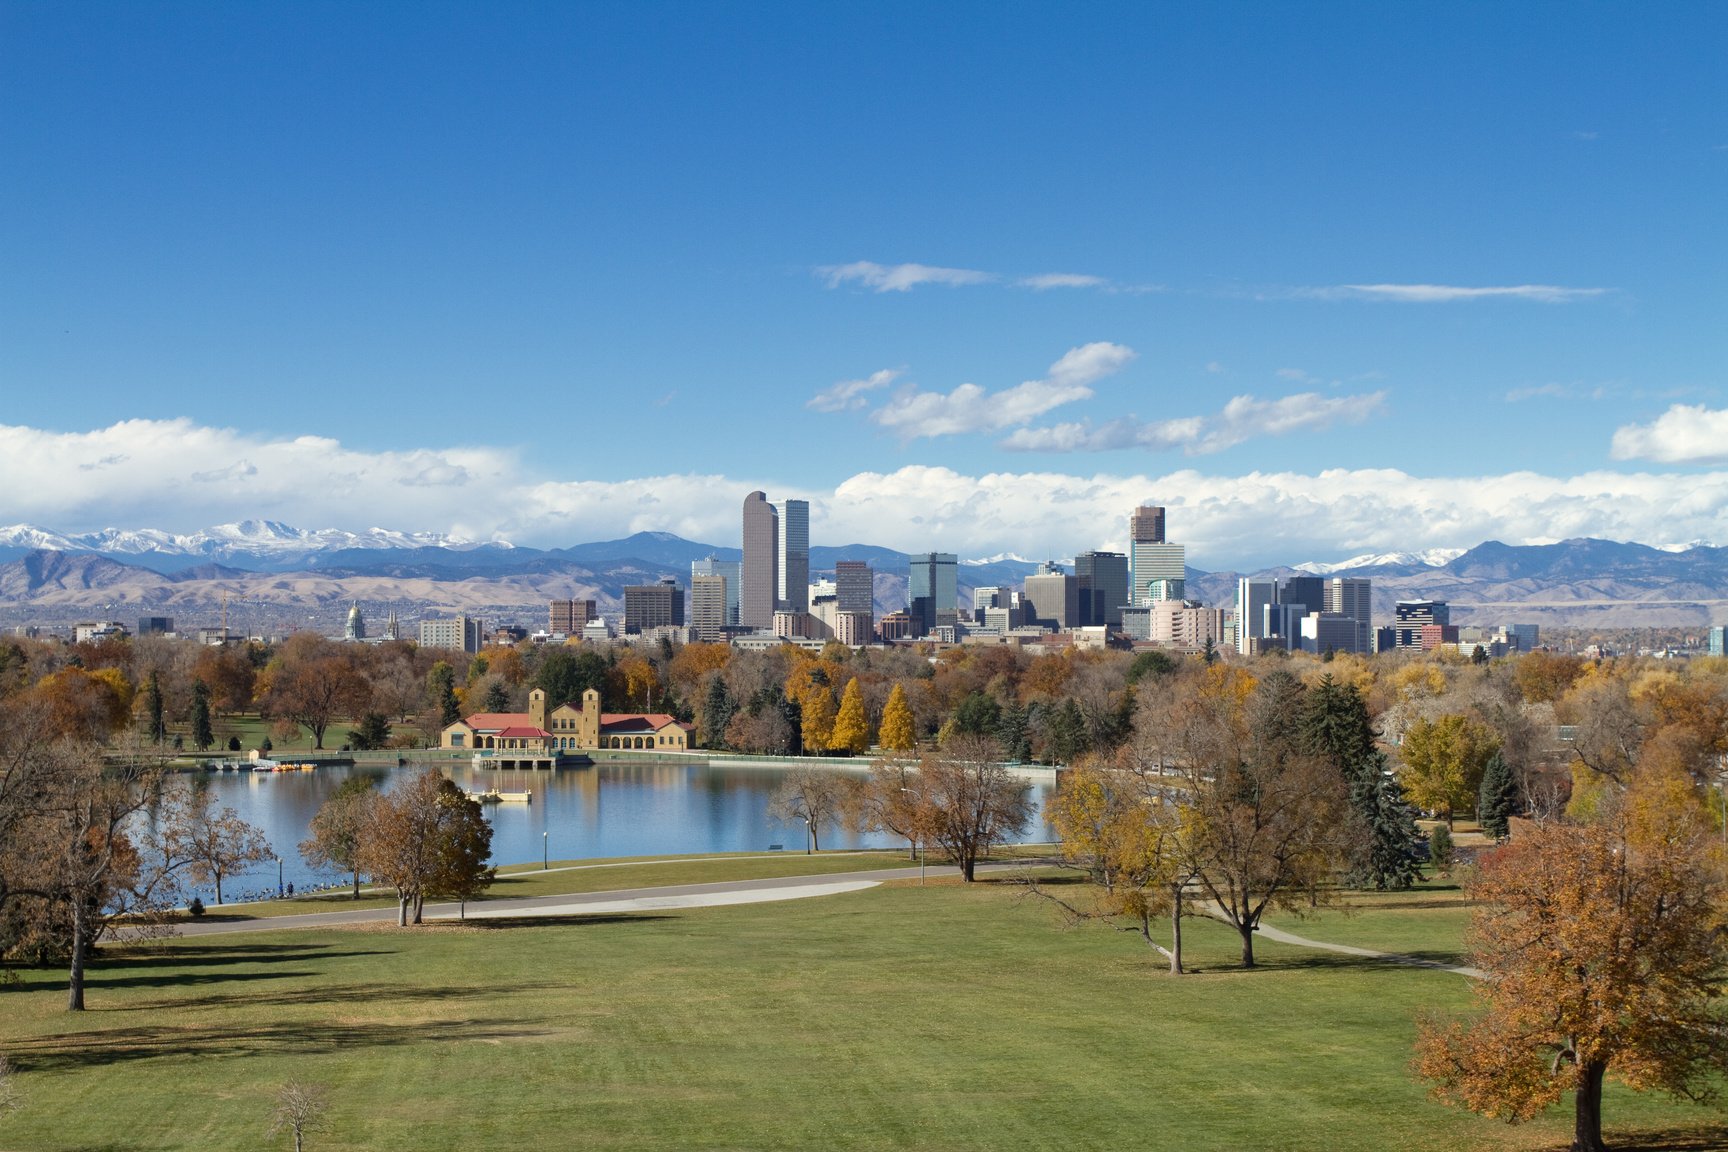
(314, 685)
(851, 734)
(896, 733)
(209, 843)
(809, 795)
(816, 709)
(408, 837)
(1444, 760)
(1130, 832)
(339, 826)
(975, 803)
(892, 800)
(1605, 948)
(1267, 818)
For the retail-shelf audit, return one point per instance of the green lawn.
(519, 880)
(943, 1017)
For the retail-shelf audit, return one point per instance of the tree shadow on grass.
(329, 994)
(122, 1045)
(1311, 959)
(193, 955)
(1708, 1136)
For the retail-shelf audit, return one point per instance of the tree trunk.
(1587, 1123)
(1246, 928)
(968, 863)
(401, 911)
(80, 946)
(356, 883)
(419, 908)
(218, 886)
(1176, 932)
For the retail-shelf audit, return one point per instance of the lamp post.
(545, 859)
(916, 844)
(806, 820)
(278, 877)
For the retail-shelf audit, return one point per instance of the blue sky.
(1324, 279)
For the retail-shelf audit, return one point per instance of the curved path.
(588, 903)
(1266, 930)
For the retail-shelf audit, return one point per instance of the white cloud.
(898, 277)
(1243, 418)
(1060, 280)
(1685, 434)
(1235, 521)
(969, 408)
(1447, 293)
(848, 394)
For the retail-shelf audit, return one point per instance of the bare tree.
(209, 843)
(812, 796)
(975, 803)
(300, 1109)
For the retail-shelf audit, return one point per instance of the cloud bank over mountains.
(181, 476)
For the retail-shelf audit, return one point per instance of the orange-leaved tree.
(1605, 949)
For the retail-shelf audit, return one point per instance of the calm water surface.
(611, 809)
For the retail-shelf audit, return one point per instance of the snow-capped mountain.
(1429, 558)
(268, 542)
(1000, 558)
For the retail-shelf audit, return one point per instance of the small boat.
(265, 766)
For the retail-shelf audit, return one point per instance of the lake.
(654, 808)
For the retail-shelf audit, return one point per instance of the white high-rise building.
(713, 566)
(1253, 597)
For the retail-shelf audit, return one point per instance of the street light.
(807, 833)
(545, 860)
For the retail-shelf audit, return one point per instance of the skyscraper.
(714, 566)
(1150, 556)
(758, 575)
(1052, 598)
(792, 556)
(932, 589)
(708, 606)
(1103, 578)
(1352, 597)
(1252, 599)
(855, 586)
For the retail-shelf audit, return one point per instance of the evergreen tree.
(717, 711)
(153, 709)
(1066, 732)
(1389, 856)
(793, 713)
(202, 734)
(1210, 652)
(441, 686)
(851, 733)
(977, 715)
(497, 697)
(897, 734)
(374, 732)
(1335, 726)
(1013, 733)
(1497, 799)
(564, 675)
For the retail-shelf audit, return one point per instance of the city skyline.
(988, 276)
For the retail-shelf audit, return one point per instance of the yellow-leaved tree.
(851, 733)
(896, 734)
(817, 707)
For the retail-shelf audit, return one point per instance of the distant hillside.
(1582, 582)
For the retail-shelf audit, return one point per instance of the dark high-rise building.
(566, 617)
(1411, 616)
(1103, 579)
(1308, 591)
(649, 606)
(933, 590)
(758, 577)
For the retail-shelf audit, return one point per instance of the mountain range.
(285, 577)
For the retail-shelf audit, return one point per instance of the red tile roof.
(638, 722)
(524, 733)
(489, 721)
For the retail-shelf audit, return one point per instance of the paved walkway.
(588, 903)
(1270, 933)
